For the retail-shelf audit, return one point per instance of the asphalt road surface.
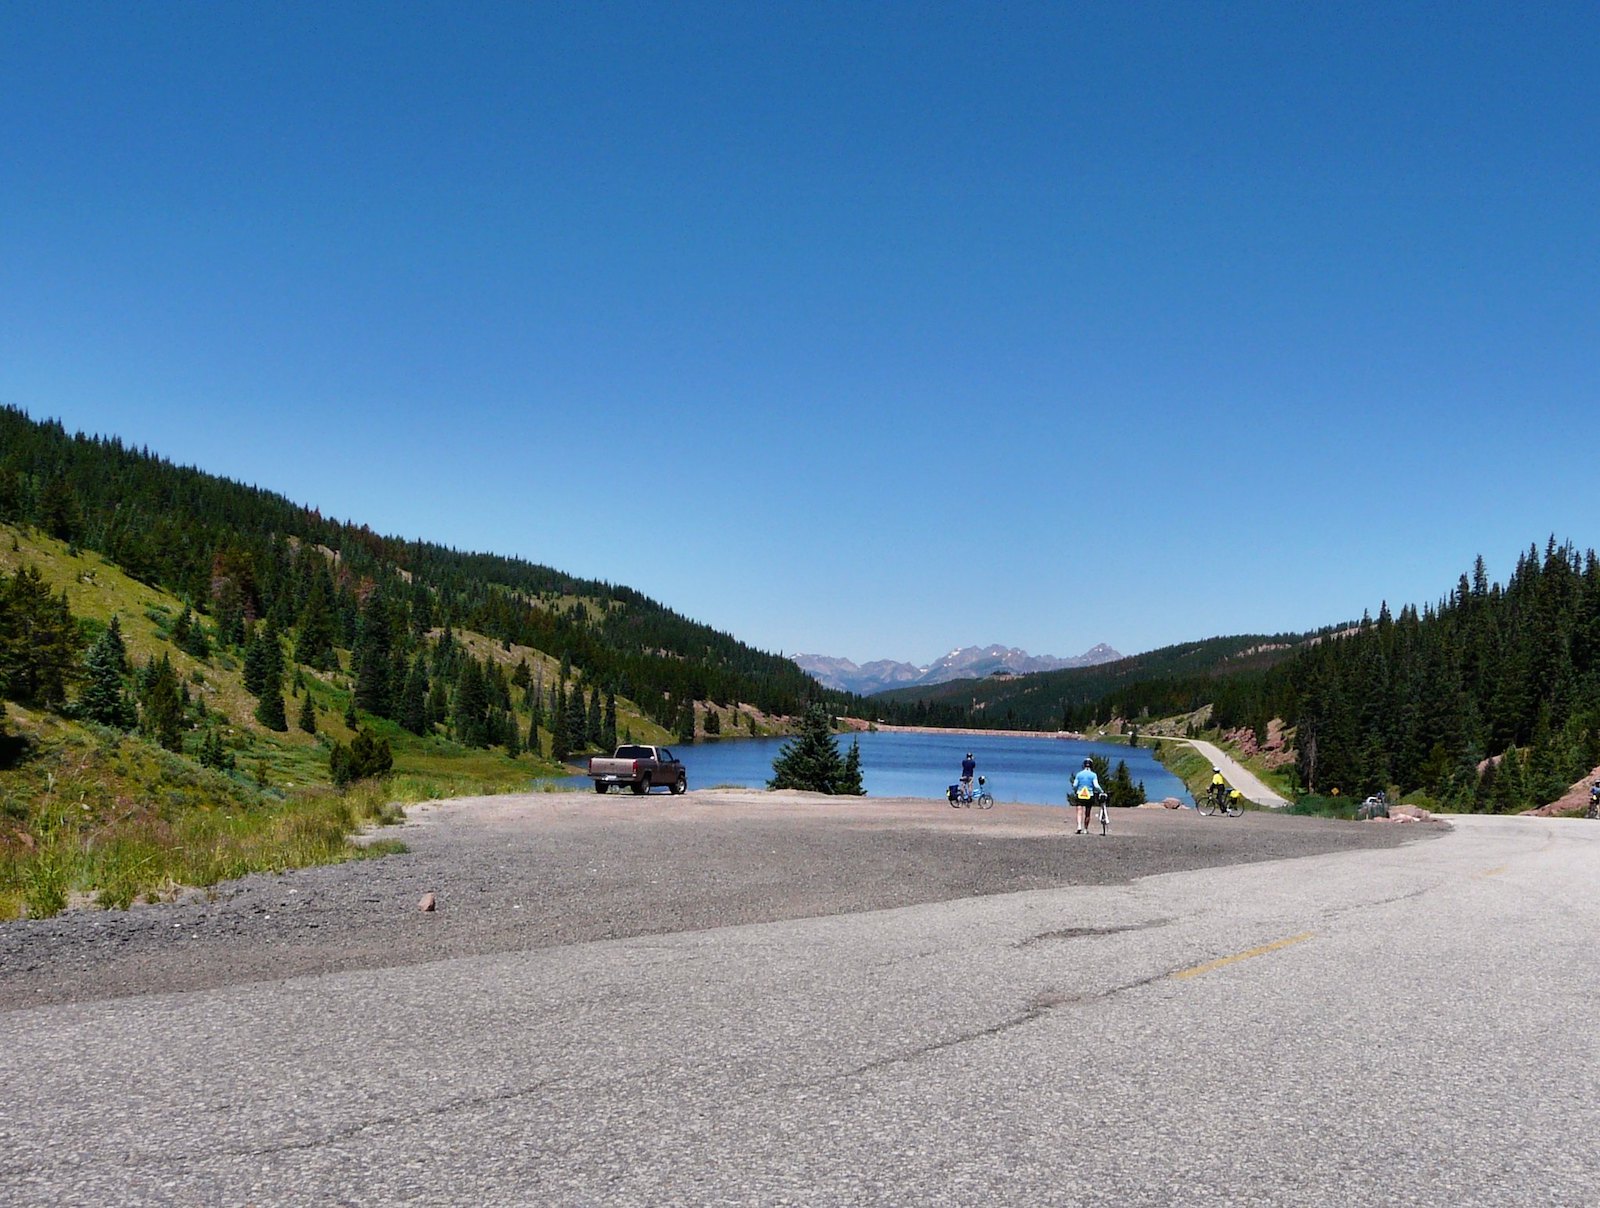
(1404, 1023)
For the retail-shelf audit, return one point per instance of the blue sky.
(868, 330)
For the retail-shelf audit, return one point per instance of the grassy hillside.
(91, 811)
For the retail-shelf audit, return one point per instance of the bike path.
(1239, 776)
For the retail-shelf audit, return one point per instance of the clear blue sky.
(868, 330)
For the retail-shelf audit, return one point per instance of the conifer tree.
(308, 714)
(314, 641)
(577, 721)
(372, 656)
(560, 736)
(414, 713)
(366, 756)
(594, 727)
(257, 664)
(161, 704)
(608, 737)
(270, 709)
(38, 640)
(470, 707)
(811, 760)
(103, 699)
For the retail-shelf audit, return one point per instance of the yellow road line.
(1221, 961)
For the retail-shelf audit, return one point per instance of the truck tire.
(681, 783)
(600, 786)
(641, 786)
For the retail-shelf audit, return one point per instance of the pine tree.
(470, 707)
(811, 760)
(849, 782)
(314, 641)
(577, 720)
(270, 710)
(366, 756)
(560, 737)
(161, 705)
(414, 713)
(103, 699)
(38, 640)
(594, 727)
(371, 657)
(257, 665)
(213, 754)
(608, 737)
(308, 714)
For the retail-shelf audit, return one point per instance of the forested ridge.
(242, 555)
(1488, 699)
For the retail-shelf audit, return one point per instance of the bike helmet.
(1215, 768)
(1088, 763)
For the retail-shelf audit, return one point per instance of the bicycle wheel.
(1207, 805)
(1233, 809)
(1104, 822)
(985, 801)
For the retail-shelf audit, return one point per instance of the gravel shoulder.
(527, 871)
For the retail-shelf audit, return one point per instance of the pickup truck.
(640, 768)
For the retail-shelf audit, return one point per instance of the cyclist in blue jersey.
(1085, 788)
(969, 766)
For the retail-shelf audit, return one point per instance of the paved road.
(1239, 776)
(1408, 1025)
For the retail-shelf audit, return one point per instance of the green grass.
(1315, 806)
(117, 819)
(86, 811)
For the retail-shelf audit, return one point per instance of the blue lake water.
(1033, 770)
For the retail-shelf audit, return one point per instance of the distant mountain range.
(970, 662)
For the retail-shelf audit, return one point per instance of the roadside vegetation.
(142, 752)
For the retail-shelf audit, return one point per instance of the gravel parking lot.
(538, 870)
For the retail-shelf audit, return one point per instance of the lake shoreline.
(857, 725)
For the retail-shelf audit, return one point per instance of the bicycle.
(1219, 799)
(1096, 802)
(959, 795)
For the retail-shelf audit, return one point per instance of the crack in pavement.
(1076, 933)
(1041, 1006)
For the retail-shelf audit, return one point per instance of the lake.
(894, 764)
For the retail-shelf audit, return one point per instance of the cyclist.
(1219, 786)
(1085, 788)
(969, 765)
(1594, 799)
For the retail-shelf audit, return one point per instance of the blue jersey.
(1085, 779)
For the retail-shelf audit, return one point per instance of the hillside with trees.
(188, 664)
(250, 563)
(1488, 699)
